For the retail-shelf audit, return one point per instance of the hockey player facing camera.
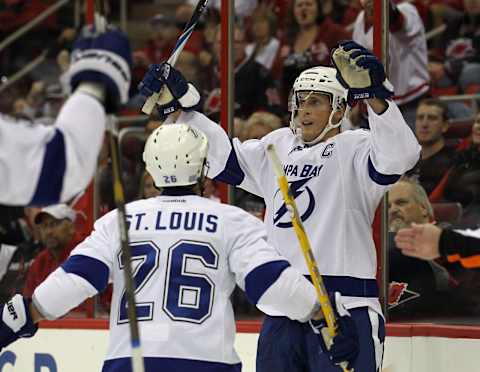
(337, 179)
(188, 253)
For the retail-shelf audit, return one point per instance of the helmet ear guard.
(322, 80)
(175, 155)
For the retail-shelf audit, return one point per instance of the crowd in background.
(273, 41)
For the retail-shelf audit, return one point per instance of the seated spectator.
(420, 281)
(308, 42)
(57, 232)
(160, 44)
(257, 126)
(243, 8)
(463, 183)
(260, 123)
(431, 123)
(407, 53)
(265, 45)
(54, 99)
(18, 247)
(255, 88)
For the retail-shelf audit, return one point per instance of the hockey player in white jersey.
(188, 252)
(337, 180)
(42, 165)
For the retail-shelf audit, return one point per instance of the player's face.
(476, 130)
(429, 124)
(403, 209)
(55, 234)
(313, 113)
(305, 12)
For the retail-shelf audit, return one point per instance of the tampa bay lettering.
(307, 170)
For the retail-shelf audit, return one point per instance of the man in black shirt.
(431, 123)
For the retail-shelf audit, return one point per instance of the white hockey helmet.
(323, 80)
(175, 154)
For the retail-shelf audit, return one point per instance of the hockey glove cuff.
(16, 321)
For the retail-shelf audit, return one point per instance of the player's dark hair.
(437, 103)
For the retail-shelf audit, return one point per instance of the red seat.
(447, 212)
(460, 128)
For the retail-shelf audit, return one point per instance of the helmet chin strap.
(325, 130)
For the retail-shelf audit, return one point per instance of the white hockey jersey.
(187, 254)
(337, 185)
(42, 165)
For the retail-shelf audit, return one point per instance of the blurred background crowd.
(434, 66)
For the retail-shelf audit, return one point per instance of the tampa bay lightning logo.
(304, 199)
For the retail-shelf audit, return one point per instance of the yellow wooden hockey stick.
(330, 332)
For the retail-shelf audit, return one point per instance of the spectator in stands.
(309, 39)
(243, 8)
(161, 43)
(264, 46)
(54, 99)
(463, 183)
(31, 106)
(255, 88)
(57, 232)
(408, 203)
(431, 123)
(407, 52)
(17, 250)
(258, 125)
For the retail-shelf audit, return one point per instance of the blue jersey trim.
(350, 286)
(170, 364)
(379, 178)
(262, 277)
(232, 174)
(92, 270)
(50, 182)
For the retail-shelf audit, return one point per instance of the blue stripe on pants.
(286, 345)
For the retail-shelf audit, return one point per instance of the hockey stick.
(327, 333)
(112, 135)
(164, 95)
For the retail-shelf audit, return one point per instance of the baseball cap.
(58, 211)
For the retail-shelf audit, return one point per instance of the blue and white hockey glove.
(359, 71)
(179, 94)
(16, 321)
(345, 345)
(105, 59)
